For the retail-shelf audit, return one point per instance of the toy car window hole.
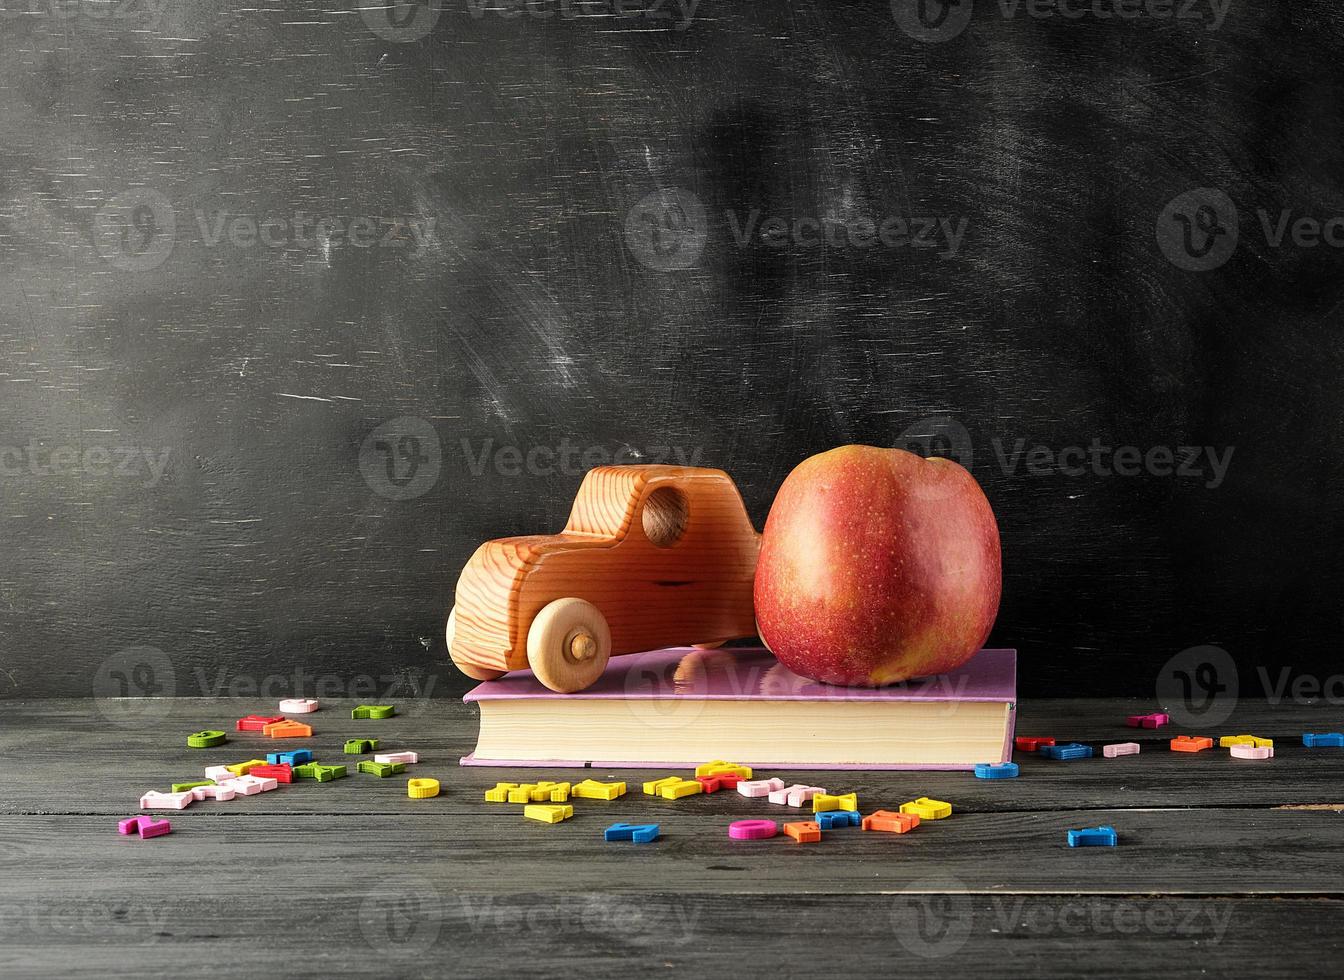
(664, 516)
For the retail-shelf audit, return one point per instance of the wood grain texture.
(393, 923)
(364, 881)
(665, 554)
(116, 752)
(525, 340)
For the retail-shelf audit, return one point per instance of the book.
(679, 707)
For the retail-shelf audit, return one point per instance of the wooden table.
(1224, 867)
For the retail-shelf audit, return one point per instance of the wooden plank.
(497, 850)
(363, 880)
(405, 927)
(114, 763)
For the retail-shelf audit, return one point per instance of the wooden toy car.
(652, 556)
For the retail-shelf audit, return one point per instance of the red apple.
(877, 565)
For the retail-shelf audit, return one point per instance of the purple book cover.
(753, 673)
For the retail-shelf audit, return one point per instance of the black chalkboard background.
(567, 233)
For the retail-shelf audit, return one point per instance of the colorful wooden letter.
(721, 768)
(643, 833)
(256, 723)
(146, 827)
(752, 829)
(1029, 743)
(927, 809)
(831, 819)
(548, 812)
(500, 793)
(1093, 837)
(761, 787)
(1155, 720)
(155, 800)
(796, 795)
(825, 801)
(287, 729)
(803, 831)
(591, 789)
(889, 822)
(1191, 743)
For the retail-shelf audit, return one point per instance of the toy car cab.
(652, 556)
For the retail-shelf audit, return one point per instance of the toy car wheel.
(471, 670)
(568, 645)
